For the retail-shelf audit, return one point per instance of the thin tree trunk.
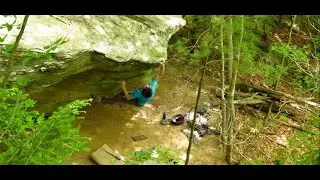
(230, 57)
(195, 113)
(282, 63)
(196, 106)
(14, 49)
(231, 99)
(230, 53)
(223, 104)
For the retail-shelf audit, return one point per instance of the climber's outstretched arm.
(160, 71)
(126, 93)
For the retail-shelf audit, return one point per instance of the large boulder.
(104, 49)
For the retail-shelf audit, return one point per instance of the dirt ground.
(116, 124)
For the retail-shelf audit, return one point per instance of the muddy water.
(116, 124)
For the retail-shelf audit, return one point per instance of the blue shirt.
(137, 94)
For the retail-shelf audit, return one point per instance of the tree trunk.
(284, 62)
(196, 106)
(279, 95)
(230, 52)
(222, 93)
(195, 114)
(14, 49)
(231, 98)
(230, 57)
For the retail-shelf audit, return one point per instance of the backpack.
(178, 119)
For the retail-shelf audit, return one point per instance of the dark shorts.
(120, 98)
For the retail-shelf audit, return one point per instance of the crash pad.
(106, 156)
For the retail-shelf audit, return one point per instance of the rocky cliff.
(100, 49)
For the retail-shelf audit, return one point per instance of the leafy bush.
(158, 155)
(304, 148)
(26, 137)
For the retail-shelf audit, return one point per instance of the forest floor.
(115, 125)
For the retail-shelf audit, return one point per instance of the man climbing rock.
(139, 97)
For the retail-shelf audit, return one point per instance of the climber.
(139, 97)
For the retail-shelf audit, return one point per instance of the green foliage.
(2, 39)
(304, 148)
(255, 162)
(316, 42)
(304, 83)
(148, 75)
(299, 67)
(21, 82)
(192, 42)
(159, 155)
(29, 56)
(194, 45)
(272, 72)
(7, 25)
(29, 138)
(283, 118)
(53, 46)
(290, 51)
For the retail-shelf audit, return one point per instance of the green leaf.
(64, 41)
(7, 54)
(26, 60)
(9, 47)
(22, 82)
(46, 47)
(49, 56)
(40, 119)
(8, 26)
(29, 118)
(58, 40)
(86, 149)
(22, 128)
(181, 162)
(29, 103)
(52, 48)
(29, 53)
(2, 39)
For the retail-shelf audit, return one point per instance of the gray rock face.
(119, 46)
